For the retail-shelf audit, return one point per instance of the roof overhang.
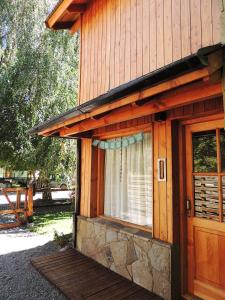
(142, 96)
(66, 15)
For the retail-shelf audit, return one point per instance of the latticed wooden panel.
(206, 197)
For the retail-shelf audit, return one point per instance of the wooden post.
(26, 205)
(18, 198)
(86, 158)
(30, 201)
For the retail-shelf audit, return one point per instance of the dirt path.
(18, 279)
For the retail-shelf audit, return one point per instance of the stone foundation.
(127, 251)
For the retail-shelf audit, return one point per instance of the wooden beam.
(30, 201)
(180, 97)
(50, 133)
(76, 26)
(123, 132)
(86, 135)
(77, 8)
(86, 158)
(11, 211)
(54, 17)
(132, 98)
(11, 190)
(10, 225)
(62, 25)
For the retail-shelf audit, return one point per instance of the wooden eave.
(150, 94)
(66, 15)
(135, 109)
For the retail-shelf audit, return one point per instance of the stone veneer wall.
(127, 251)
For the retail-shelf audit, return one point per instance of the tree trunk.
(47, 194)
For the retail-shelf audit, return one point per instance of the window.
(128, 182)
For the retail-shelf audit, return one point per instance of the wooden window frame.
(101, 170)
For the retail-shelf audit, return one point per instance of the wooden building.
(150, 129)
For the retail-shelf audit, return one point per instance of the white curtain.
(128, 182)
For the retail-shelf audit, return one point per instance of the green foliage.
(204, 150)
(38, 80)
(52, 222)
(62, 239)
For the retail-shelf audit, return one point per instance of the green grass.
(60, 222)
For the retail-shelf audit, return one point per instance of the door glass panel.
(222, 149)
(204, 151)
(206, 197)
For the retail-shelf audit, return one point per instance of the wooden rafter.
(132, 98)
(181, 96)
(11, 211)
(76, 26)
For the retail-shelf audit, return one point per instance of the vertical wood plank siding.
(124, 39)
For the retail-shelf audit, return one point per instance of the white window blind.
(128, 182)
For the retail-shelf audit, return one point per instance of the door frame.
(183, 196)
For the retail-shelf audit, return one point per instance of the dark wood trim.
(182, 208)
(62, 25)
(77, 8)
(176, 174)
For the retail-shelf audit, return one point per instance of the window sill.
(128, 228)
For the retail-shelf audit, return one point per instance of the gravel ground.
(18, 279)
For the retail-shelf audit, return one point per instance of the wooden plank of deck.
(79, 277)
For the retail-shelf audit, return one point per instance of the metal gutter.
(180, 67)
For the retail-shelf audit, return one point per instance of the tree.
(38, 80)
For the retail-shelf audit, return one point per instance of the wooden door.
(205, 186)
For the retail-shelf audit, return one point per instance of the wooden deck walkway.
(79, 277)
